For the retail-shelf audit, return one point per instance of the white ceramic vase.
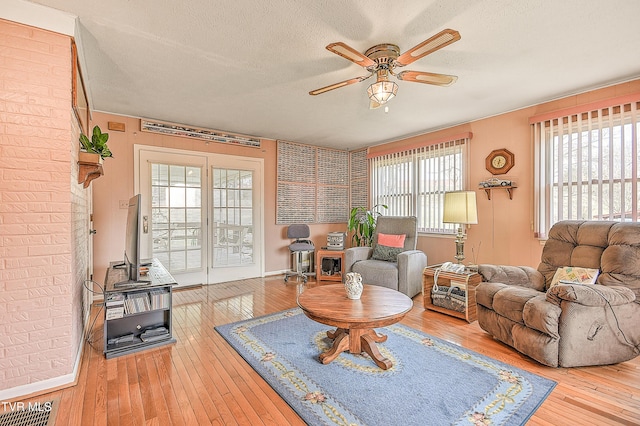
(353, 285)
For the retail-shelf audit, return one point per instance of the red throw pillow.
(390, 240)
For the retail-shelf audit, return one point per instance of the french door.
(202, 215)
(236, 233)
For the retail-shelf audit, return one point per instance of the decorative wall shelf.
(89, 168)
(509, 189)
(198, 133)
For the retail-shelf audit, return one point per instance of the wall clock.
(500, 161)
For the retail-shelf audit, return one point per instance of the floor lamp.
(460, 208)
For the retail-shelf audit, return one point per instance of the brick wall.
(80, 239)
(43, 211)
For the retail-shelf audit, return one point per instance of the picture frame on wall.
(79, 94)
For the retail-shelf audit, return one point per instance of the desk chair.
(300, 249)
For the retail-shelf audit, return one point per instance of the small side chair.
(302, 247)
(393, 260)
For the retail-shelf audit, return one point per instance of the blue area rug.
(431, 382)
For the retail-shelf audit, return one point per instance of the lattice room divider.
(318, 185)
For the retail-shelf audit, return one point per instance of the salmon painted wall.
(504, 233)
(117, 184)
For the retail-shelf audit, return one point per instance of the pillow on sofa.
(575, 275)
(388, 247)
(391, 240)
(386, 253)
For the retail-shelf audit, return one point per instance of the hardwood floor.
(200, 380)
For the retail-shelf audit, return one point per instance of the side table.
(333, 275)
(466, 281)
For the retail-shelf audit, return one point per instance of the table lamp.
(460, 208)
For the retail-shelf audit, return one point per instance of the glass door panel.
(177, 213)
(232, 217)
(235, 191)
(177, 216)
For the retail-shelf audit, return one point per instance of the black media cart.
(137, 314)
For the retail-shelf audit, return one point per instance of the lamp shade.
(460, 207)
(382, 91)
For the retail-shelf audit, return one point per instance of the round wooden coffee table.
(355, 319)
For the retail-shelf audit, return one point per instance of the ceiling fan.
(382, 60)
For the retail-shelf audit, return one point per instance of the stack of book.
(114, 305)
(159, 299)
(136, 303)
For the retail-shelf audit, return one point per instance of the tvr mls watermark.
(30, 406)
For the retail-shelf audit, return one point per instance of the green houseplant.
(97, 144)
(363, 223)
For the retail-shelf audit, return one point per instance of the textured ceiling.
(247, 66)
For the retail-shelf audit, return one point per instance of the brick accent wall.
(80, 238)
(43, 212)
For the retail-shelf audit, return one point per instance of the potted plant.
(92, 152)
(363, 224)
(96, 145)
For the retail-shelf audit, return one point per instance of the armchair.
(400, 267)
(569, 324)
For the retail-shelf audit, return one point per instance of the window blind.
(413, 182)
(586, 165)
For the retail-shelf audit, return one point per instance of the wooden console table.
(466, 281)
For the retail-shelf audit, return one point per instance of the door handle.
(145, 224)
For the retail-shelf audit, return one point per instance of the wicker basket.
(453, 298)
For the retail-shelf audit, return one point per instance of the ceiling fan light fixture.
(383, 59)
(382, 91)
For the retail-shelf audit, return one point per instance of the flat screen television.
(132, 239)
(132, 261)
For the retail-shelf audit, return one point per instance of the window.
(413, 182)
(586, 165)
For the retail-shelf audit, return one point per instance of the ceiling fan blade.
(339, 85)
(427, 78)
(438, 41)
(350, 54)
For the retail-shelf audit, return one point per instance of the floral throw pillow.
(575, 275)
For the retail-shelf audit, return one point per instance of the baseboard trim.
(33, 390)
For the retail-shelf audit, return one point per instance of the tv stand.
(137, 313)
(128, 283)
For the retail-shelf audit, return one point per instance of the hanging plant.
(97, 144)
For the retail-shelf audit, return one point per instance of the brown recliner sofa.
(569, 325)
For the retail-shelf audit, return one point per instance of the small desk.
(467, 280)
(330, 254)
(136, 308)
